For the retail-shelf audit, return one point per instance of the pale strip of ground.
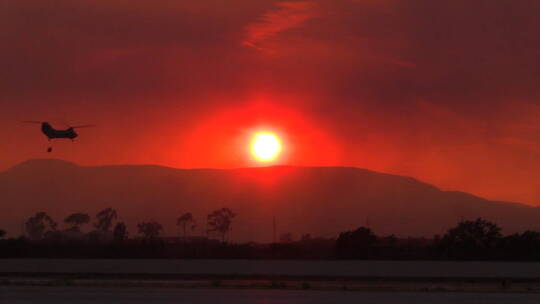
(491, 286)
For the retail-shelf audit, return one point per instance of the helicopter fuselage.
(51, 132)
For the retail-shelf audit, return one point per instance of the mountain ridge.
(317, 200)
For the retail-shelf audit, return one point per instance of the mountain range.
(321, 201)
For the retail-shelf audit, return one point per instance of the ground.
(87, 295)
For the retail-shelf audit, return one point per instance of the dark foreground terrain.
(299, 269)
(64, 295)
(359, 276)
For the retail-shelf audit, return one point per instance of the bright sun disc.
(265, 146)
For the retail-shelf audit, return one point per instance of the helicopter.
(53, 133)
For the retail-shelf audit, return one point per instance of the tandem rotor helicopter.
(53, 133)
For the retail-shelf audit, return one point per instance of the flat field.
(323, 269)
(383, 276)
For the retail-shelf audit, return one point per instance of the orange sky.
(444, 91)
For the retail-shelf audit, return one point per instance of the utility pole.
(274, 227)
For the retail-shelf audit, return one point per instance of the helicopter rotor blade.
(64, 123)
(83, 126)
(33, 121)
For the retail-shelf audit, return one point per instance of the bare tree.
(39, 224)
(120, 232)
(76, 220)
(105, 219)
(220, 221)
(150, 230)
(184, 221)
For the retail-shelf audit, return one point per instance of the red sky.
(444, 91)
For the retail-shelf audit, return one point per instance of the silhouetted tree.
(76, 220)
(286, 237)
(471, 239)
(184, 221)
(356, 244)
(521, 246)
(120, 232)
(220, 221)
(150, 230)
(105, 219)
(391, 240)
(39, 224)
(306, 237)
(2, 233)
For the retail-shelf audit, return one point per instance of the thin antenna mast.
(274, 227)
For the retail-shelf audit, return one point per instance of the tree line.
(41, 226)
(477, 239)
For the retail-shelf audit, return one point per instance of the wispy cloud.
(285, 16)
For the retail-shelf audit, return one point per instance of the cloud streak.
(285, 16)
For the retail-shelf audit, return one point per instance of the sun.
(265, 146)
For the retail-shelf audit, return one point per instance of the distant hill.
(322, 201)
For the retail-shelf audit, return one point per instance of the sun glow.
(265, 146)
